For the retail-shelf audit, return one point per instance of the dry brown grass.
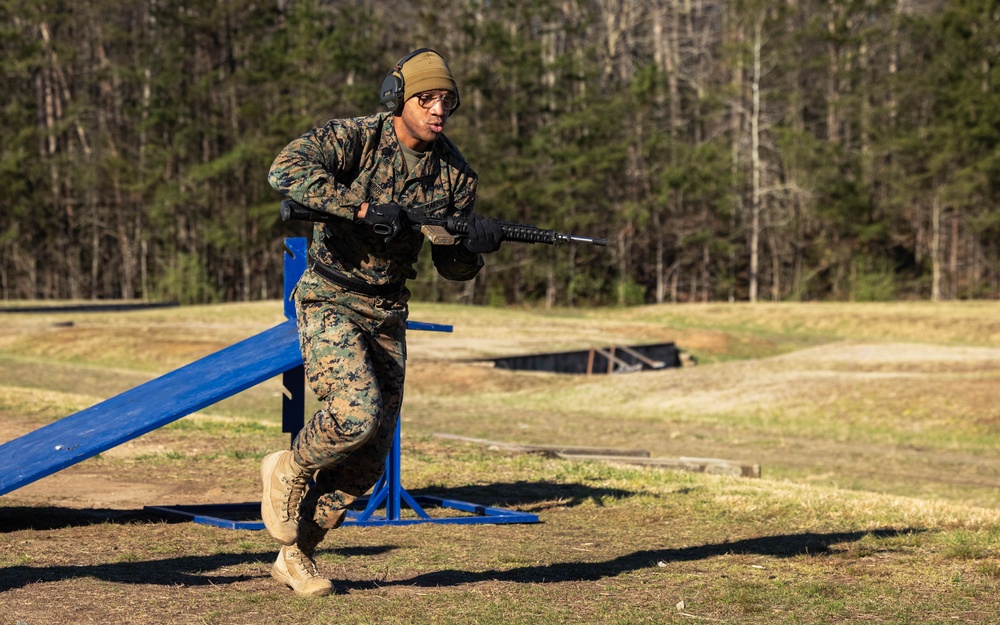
(876, 426)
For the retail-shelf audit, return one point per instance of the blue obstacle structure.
(148, 406)
(204, 382)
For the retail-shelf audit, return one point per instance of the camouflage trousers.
(354, 350)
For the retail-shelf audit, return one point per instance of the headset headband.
(402, 61)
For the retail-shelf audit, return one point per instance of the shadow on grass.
(780, 546)
(18, 518)
(182, 571)
(527, 496)
(191, 570)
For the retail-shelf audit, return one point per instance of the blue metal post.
(293, 401)
(389, 491)
(295, 266)
(392, 507)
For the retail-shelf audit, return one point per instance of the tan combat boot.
(296, 567)
(285, 484)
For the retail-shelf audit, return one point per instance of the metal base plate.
(246, 516)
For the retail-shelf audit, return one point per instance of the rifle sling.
(388, 291)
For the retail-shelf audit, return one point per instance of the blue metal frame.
(388, 493)
(387, 496)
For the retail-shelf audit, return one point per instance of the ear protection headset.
(391, 94)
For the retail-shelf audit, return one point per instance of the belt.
(390, 290)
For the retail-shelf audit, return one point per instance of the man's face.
(418, 127)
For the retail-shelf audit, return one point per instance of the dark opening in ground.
(598, 360)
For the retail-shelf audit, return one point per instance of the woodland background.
(731, 150)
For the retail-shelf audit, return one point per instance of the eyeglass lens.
(448, 100)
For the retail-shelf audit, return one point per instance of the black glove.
(387, 219)
(484, 235)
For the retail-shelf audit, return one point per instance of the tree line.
(731, 150)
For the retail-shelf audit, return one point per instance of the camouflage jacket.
(349, 161)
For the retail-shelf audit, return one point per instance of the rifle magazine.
(438, 235)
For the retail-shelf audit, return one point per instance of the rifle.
(448, 230)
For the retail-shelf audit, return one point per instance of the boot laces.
(304, 562)
(294, 492)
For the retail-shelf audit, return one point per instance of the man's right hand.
(387, 219)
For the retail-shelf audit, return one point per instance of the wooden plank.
(714, 466)
(623, 367)
(655, 364)
(549, 450)
(641, 457)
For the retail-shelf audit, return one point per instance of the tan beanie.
(425, 72)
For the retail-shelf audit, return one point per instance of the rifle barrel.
(600, 241)
(514, 232)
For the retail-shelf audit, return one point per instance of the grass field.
(876, 427)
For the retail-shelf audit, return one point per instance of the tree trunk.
(936, 249)
(756, 206)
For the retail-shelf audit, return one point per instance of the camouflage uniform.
(352, 324)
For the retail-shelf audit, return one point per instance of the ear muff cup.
(393, 87)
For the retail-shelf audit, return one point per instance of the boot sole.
(286, 579)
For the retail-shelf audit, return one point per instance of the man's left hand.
(484, 236)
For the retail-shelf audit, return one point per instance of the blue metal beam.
(148, 406)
